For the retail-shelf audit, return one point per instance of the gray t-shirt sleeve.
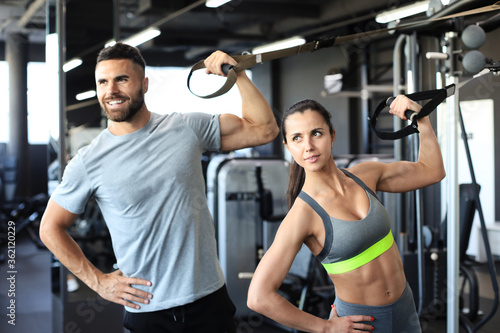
(206, 127)
(74, 191)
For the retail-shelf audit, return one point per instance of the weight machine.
(473, 62)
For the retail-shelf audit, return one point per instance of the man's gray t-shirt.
(150, 188)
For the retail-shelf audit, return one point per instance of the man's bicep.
(229, 124)
(232, 132)
(57, 216)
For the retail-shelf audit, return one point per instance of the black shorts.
(211, 314)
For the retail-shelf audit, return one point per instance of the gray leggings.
(398, 317)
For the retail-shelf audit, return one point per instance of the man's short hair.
(122, 51)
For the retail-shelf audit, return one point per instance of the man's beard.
(136, 104)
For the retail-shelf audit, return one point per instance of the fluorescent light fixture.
(142, 36)
(138, 38)
(86, 95)
(402, 12)
(73, 63)
(282, 44)
(215, 3)
(110, 42)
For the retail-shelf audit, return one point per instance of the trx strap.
(436, 97)
(250, 60)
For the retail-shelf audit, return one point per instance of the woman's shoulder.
(368, 172)
(301, 216)
(305, 225)
(301, 207)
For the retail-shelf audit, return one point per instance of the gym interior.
(448, 234)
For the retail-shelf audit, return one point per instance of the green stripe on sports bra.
(363, 258)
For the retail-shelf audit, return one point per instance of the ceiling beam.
(28, 14)
(271, 9)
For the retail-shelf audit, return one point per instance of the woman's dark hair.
(122, 51)
(297, 173)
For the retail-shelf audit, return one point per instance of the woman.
(338, 216)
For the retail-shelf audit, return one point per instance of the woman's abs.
(379, 282)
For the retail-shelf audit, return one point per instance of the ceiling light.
(138, 38)
(215, 3)
(282, 44)
(110, 42)
(85, 95)
(402, 12)
(142, 37)
(73, 63)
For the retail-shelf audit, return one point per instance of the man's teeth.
(115, 102)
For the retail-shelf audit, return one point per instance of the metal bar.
(418, 193)
(452, 309)
(116, 20)
(176, 14)
(28, 14)
(61, 38)
(364, 104)
(397, 146)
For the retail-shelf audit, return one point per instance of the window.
(43, 112)
(4, 102)
(168, 92)
(42, 115)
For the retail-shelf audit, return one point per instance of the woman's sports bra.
(352, 244)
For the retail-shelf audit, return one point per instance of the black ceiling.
(189, 30)
(189, 33)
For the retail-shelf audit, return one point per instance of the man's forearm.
(67, 251)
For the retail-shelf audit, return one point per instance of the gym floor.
(33, 297)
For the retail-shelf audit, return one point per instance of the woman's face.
(308, 139)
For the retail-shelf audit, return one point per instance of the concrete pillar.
(16, 54)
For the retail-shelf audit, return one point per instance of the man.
(145, 172)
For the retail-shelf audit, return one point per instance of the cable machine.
(473, 62)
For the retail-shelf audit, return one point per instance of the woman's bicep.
(403, 176)
(398, 176)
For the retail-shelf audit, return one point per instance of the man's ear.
(145, 85)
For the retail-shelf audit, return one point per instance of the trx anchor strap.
(436, 97)
(249, 60)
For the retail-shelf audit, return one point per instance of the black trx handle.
(436, 97)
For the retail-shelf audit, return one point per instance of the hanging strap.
(249, 60)
(436, 97)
